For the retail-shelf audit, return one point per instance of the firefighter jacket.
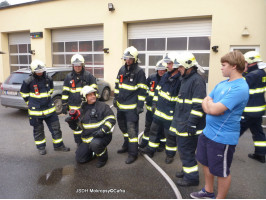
(256, 80)
(130, 88)
(72, 86)
(152, 82)
(36, 92)
(188, 109)
(166, 96)
(94, 117)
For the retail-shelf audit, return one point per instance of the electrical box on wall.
(36, 35)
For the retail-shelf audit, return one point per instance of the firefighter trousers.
(146, 134)
(128, 122)
(258, 136)
(98, 147)
(157, 127)
(53, 124)
(187, 147)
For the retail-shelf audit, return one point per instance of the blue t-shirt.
(225, 128)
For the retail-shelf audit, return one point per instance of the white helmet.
(86, 90)
(131, 52)
(77, 59)
(171, 57)
(252, 57)
(37, 66)
(160, 65)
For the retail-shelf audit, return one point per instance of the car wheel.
(58, 104)
(105, 94)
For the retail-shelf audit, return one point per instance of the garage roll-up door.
(154, 39)
(19, 47)
(87, 41)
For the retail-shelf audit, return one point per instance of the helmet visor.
(39, 69)
(127, 56)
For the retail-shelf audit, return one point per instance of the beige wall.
(229, 17)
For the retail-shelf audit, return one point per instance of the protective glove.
(139, 110)
(98, 134)
(153, 108)
(115, 103)
(191, 130)
(72, 123)
(64, 108)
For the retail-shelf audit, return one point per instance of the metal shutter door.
(78, 34)
(19, 38)
(178, 28)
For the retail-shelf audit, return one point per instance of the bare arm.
(212, 108)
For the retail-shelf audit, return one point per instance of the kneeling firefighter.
(95, 119)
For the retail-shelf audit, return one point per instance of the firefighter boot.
(169, 159)
(62, 148)
(179, 174)
(102, 160)
(258, 157)
(42, 150)
(147, 151)
(161, 147)
(124, 148)
(143, 143)
(186, 183)
(131, 159)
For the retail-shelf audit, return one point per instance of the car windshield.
(16, 78)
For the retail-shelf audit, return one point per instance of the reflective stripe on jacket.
(256, 80)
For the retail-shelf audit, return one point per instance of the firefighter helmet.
(160, 65)
(86, 90)
(77, 59)
(37, 66)
(171, 57)
(131, 52)
(252, 57)
(188, 60)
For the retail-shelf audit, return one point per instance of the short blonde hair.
(235, 58)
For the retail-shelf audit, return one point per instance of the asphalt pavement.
(26, 174)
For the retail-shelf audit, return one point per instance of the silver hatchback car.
(10, 95)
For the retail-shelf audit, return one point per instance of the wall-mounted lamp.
(111, 7)
(1, 52)
(245, 32)
(32, 52)
(106, 50)
(215, 49)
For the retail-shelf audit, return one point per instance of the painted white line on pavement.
(168, 179)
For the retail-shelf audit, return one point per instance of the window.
(140, 44)
(244, 49)
(199, 43)
(156, 44)
(177, 43)
(19, 56)
(92, 51)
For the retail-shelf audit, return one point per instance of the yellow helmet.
(86, 90)
(77, 59)
(37, 66)
(131, 52)
(252, 57)
(187, 60)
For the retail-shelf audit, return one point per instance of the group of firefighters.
(174, 117)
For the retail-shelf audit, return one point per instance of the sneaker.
(260, 158)
(203, 194)
(179, 174)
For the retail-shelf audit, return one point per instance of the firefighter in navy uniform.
(152, 82)
(73, 84)
(95, 119)
(189, 118)
(255, 109)
(130, 94)
(36, 92)
(164, 105)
